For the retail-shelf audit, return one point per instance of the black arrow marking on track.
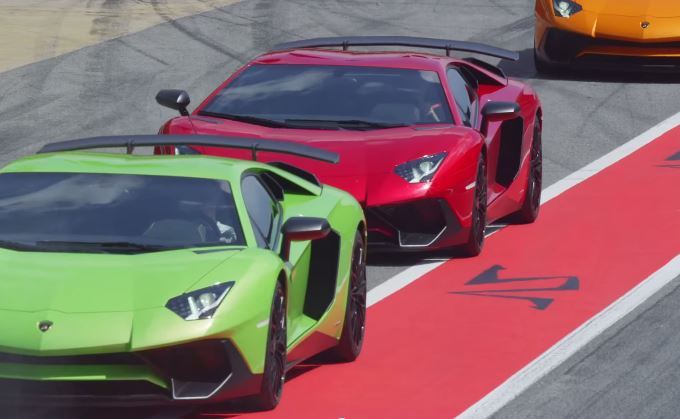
(491, 276)
(674, 158)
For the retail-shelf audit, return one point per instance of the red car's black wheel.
(352, 338)
(275, 362)
(532, 199)
(475, 243)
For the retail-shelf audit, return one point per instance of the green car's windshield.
(110, 213)
(332, 97)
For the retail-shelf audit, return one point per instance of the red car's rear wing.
(400, 41)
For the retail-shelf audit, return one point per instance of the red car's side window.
(464, 95)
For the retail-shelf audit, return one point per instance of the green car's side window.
(263, 210)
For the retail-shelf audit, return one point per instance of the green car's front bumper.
(210, 370)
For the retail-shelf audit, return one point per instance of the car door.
(463, 86)
(263, 200)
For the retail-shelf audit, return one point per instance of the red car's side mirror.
(174, 99)
(500, 111)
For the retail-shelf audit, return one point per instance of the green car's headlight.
(200, 304)
(420, 170)
(566, 8)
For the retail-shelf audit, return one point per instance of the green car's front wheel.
(352, 338)
(275, 361)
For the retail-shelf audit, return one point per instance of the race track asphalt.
(108, 88)
(631, 371)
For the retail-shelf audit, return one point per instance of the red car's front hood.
(365, 156)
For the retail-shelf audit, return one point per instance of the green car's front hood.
(99, 283)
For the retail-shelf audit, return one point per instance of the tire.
(475, 242)
(275, 361)
(531, 206)
(544, 67)
(354, 327)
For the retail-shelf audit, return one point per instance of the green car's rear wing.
(253, 144)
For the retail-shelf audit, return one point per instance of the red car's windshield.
(333, 97)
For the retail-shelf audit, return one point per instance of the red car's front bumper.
(427, 224)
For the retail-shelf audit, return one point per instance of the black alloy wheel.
(277, 348)
(532, 200)
(354, 328)
(475, 243)
(543, 67)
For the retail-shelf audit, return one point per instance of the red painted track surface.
(432, 353)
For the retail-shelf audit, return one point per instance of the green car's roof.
(196, 166)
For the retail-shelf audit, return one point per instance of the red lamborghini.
(434, 147)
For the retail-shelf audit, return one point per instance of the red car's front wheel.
(532, 199)
(475, 242)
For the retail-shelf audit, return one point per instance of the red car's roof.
(390, 59)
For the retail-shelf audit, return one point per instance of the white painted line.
(412, 274)
(610, 158)
(573, 342)
(399, 281)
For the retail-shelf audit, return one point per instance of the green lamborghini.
(186, 278)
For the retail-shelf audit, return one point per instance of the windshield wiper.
(6, 244)
(104, 247)
(356, 124)
(272, 123)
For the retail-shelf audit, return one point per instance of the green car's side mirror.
(298, 229)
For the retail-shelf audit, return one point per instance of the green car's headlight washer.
(199, 304)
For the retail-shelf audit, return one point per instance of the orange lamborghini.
(617, 34)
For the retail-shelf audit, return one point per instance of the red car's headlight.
(421, 170)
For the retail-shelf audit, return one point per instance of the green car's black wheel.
(475, 243)
(532, 200)
(275, 363)
(352, 338)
